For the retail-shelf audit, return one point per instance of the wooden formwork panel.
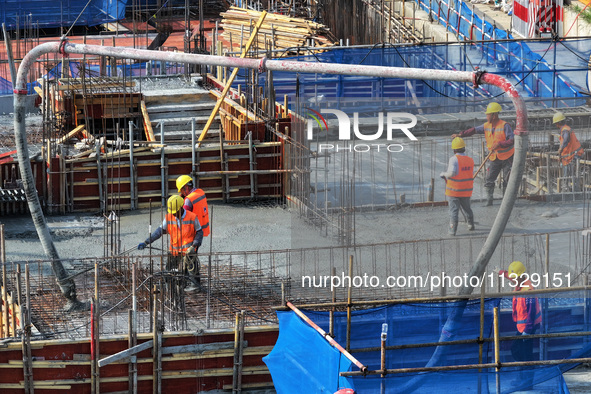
(65, 365)
(9, 176)
(83, 176)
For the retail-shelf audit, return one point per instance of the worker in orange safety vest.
(185, 235)
(570, 147)
(195, 201)
(527, 313)
(499, 142)
(527, 316)
(459, 181)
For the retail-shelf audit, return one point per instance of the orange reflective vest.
(461, 185)
(181, 238)
(197, 198)
(497, 134)
(526, 311)
(573, 148)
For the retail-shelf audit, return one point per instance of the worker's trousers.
(457, 203)
(494, 169)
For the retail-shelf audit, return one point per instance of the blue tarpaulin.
(51, 13)
(302, 359)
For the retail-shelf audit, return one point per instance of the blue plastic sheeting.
(7, 89)
(51, 13)
(5, 86)
(302, 361)
(544, 69)
(424, 323)
(532, 62)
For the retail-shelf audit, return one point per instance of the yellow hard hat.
(458, 143)
(493, 108)
(174, 203)
(182, 180)
(516, 268)
(558, 116)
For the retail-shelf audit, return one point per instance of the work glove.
(142, 246)
(192, 249)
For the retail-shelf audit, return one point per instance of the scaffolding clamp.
(63, 43)
(477, 77)
(262, 65)
(20, 91)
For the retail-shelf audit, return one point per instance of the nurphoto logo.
(349, 131)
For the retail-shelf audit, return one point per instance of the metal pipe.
(193, 151)
(327, 337)
(131, 170)
(470, 366)
(497, 348)
(163, 180)
(429, 300)
(349, 290)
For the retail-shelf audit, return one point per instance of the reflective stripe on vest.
(199, 201)
(180, 239)
(573, 148)
(461, 184)
(497, 135)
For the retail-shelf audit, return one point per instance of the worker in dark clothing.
(185, 235)
(499, 142)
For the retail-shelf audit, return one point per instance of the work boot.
(453, 227)
(489, 196)
(470, 225)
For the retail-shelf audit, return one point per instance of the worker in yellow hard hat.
(499, 142)
(459, 181)
(527, 315)
(195, 201)
(185, 237)
(570, 149)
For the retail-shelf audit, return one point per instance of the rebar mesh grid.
(256, 282)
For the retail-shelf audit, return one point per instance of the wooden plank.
(198, 348)
(147, 123)
(71, 134)
(125, 353)
(93, 85)
(231, 79)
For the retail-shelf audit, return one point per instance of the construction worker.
(499, 142)
(185, 239)
(195, 201)
(527, 316)
(459, 180)
(570, 147)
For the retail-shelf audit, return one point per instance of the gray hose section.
(66, 284)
